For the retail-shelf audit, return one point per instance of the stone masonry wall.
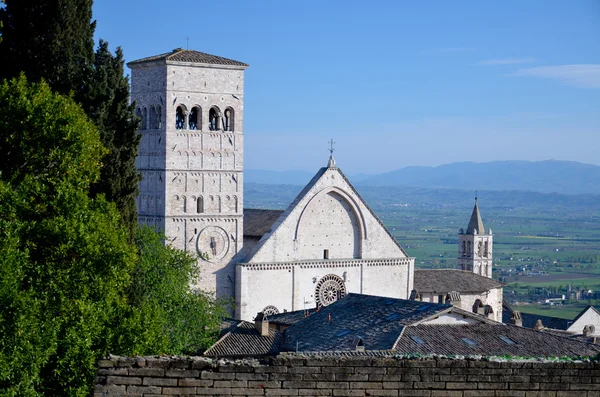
(296, 375)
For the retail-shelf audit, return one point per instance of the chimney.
(516, 319)
(261, 323)
(359, 343)
(538, 325)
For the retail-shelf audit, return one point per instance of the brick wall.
(348, 376)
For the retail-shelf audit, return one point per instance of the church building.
(326, 244)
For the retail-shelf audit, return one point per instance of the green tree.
(49, 39)
(165, 315)
(107, 104)
(66, 259)
(53, 40)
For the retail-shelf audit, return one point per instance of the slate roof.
(447, 280)
(377, 320)
(529, 320)
(475, 221)
(244, 340)
(257, 222)
(489, 340)
(289, 318)
(181, 55)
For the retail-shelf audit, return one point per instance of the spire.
(475, 223)
(331, 163)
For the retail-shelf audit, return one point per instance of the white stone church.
(326, 244)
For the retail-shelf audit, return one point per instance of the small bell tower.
(475, 246)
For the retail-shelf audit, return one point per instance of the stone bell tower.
(475, 246)
(191, 157)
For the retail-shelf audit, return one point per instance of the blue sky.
(394, 83)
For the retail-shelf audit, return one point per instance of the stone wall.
(296, 375)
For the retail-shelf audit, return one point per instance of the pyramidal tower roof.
(475, 222)
(191, 56)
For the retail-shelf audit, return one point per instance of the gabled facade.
(328, 243)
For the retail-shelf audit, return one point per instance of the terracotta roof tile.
(181, 55)
(448, 280)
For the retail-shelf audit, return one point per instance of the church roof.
(243, 340)
(257, 222)
(181, 55)
(377, 320)
(475, 223)
(489, 339)
(443, 281)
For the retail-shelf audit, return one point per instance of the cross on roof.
(187, 42)
(331, 149)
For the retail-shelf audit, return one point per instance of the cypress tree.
(53, 40)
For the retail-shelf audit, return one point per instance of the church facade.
(326, 244)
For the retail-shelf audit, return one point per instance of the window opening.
(469, 342)
(200, 205)
(440, 298)
(179, 118)
(214, 119)
(325, 254)
(194, 123)
(228, 119)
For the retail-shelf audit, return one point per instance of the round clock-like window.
(329, 289)
(212, 243)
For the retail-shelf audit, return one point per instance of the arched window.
(138, 114)
(144, 119)
(464, 248)
(195, 122)
(229, 119)
(486, 251)
(152, 118)
(200, 205)
(184, 204)
(180, 118)
(158, 117)
(214, 119)
(477, 305)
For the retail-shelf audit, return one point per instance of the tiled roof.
(448, 280)
(377, 320)
(257, 222)
(181, 55)
(289, 318)
(529, 320)
(245, 341)
(489, 340)
(475, 222)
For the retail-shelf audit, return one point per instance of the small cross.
(476, 195)
(187, 41)
(331, 149)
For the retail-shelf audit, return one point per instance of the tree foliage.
(53, 40)
(73, 287)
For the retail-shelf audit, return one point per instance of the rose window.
(329, 289)
(270, 310)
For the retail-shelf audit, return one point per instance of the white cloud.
(506, 61)
(582, 75)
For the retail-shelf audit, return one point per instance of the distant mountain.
(551, 176)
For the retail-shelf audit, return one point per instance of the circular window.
(270, 310)
(329, 289)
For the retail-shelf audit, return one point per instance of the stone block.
(429, 385)
(366, 385)
(479, 393)
(319, 377)
(123, 380)
(460, 386)
(213, 392)
(554, 386)
(143, 390)
(337, 370)
(510, 393)
(351, 377)
(146, 372)
(106, 363)
(299, 384)
(333, 385)
(159, 382)
(247, 392)
(113, 371)
(446, 393)
(492, 386)
(370, 370)
(182, 373)
(281, 392)
(524, 386)
(305, 370)
(252, 384)
(190, 382)
(216, 375)
(181, 390)
(381, 392)
(250, 376)
(415, 393)
(348, 392)
(314, 392)
(110, 390)
(230, 383)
